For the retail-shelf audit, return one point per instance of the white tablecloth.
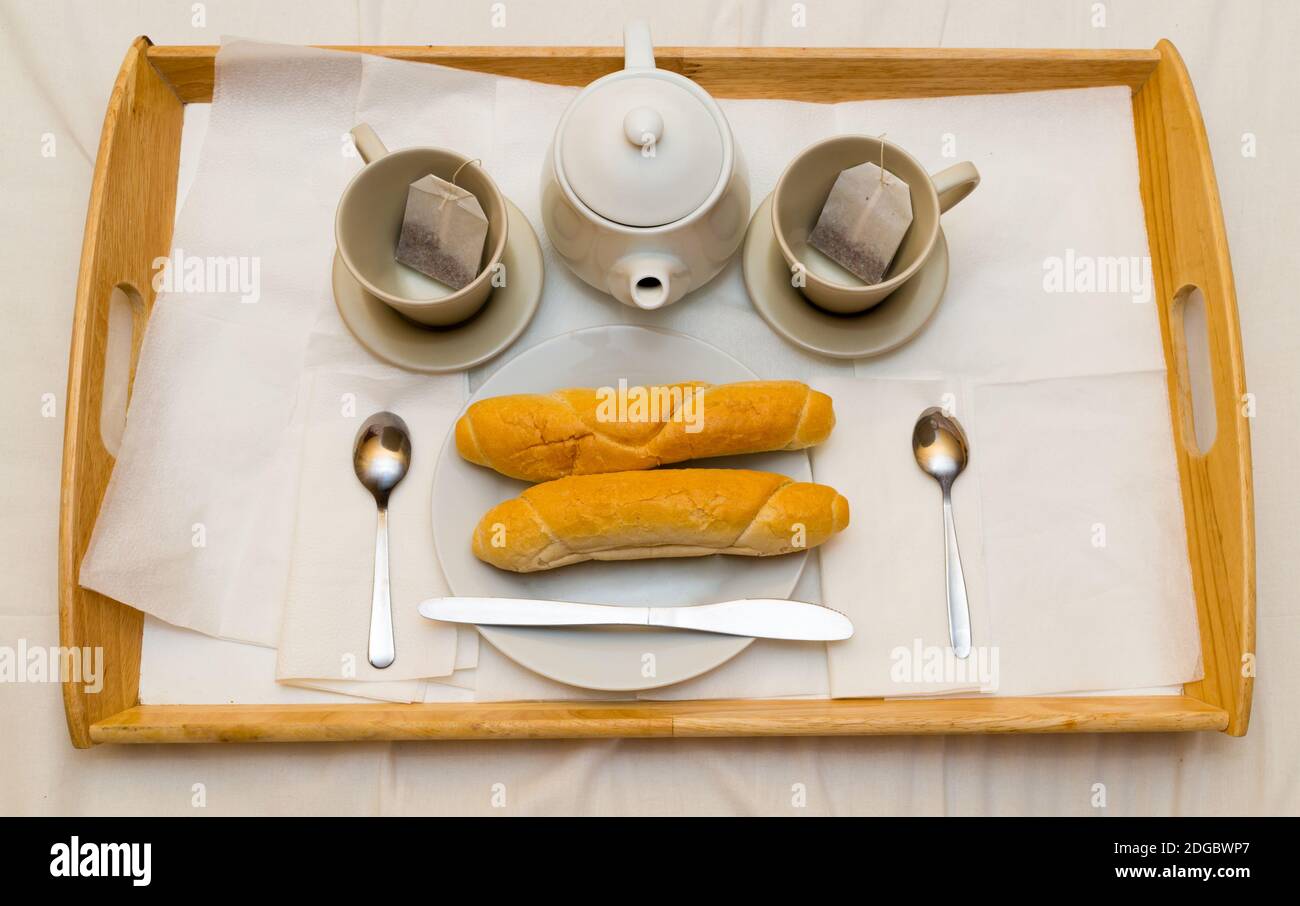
(57, 64)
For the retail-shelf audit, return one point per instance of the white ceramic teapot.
(644, 193)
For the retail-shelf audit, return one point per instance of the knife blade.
(762, 618)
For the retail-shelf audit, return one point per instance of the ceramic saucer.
(434, 350)
(878, 330)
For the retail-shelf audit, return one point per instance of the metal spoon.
(941, 450)
(381, 458)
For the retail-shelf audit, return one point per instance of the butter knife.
(761, 618)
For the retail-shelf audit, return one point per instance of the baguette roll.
(541, 437)
(665, 513)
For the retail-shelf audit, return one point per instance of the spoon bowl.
(940, 446)
(382, 454)
(381, 457)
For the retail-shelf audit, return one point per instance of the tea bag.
(863, 221)
(443, 232)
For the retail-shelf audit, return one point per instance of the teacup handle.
(371, 148)
(954, 183)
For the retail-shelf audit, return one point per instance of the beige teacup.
(802, 191)
(369, 221)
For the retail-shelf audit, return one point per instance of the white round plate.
(607, 659)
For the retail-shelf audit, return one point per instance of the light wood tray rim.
(588, 720)
(129, 223)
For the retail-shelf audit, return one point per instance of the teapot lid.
(642, 147)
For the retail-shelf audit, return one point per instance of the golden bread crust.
(541, 437)
(663, 513)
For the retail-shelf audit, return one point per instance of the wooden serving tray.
(129, 224)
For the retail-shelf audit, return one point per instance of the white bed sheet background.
(57, 64)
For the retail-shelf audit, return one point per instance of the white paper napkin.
(886, 569)
(197, 522)
(327, 611)
(1069, 518)
(1086, 547)
(1059, 186)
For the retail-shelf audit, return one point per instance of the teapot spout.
(638, 49)
(645, 282)
(650, 291)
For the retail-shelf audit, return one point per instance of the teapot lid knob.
(643, 126)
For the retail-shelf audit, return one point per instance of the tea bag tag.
(443, 232)
(863, 221)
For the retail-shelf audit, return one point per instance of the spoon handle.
(958, 608)
(381, 651)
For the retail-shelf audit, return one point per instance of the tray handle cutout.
(126, 318)
(1200, 422)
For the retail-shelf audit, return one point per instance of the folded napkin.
(1069, 519)
(1086, 548)
(886, 569)
(1059, 189)
(180, 666)
(213, 460)
(327, 610)
(197, 522)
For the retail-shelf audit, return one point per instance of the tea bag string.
(881, 138)
(868, 212)
(477, 160)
